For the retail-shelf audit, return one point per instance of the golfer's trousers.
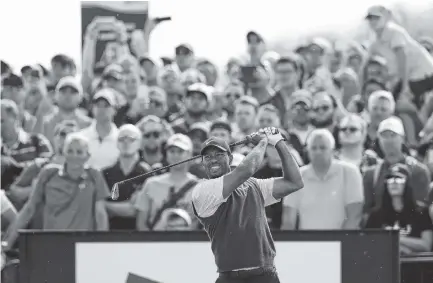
(260, 275)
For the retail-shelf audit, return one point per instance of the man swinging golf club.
(231, 207)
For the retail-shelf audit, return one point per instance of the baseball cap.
(398, 171)
(184, 48)
(201, 88)
(113, 71)
(246, 99)
(179, 140)
(107, 94)
(393, 124)
(377, 59)
(221, 124)
(253, 34)
(69, 81)
(376, 11)
(320, 42)
(200, 126)
(156, 62)
(381, 94)
(302, 95)
(34, 70)
(13, 81)
(130, 131)
(215, 142)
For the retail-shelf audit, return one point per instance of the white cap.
(393, 124)
(181, 141)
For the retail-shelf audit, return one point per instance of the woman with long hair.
(399, 212)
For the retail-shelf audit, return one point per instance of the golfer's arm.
(292, 179)
(419, 245)
(245, 170)
(121, 208)
(288, 218)
(21, 221)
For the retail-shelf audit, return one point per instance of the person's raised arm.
(89, 53)
(246, 169)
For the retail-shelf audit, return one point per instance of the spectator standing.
(169, 81)
(13, 89)
(174, 219)
(261, 87)
(256, 47)
(68, 95)
(121, 211)
(324, 111)
(300, 109)
(245, 116)
(62, 66)
(150, 66)
(184, 57)
(158, 103)
(191, 76)
(19, 149)
(71, 195)
(198, 133)
(332, 197)
(197, 100)
(232, 92)
(391, 137)
(209, 70)
(398, 211)
(102, 133)
(169, 190)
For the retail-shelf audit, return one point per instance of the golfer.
(231, 207)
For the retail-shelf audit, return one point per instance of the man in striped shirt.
(19, 149)
(231, 207)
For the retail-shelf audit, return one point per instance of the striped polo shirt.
(237, 226)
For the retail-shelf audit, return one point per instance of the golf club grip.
(143, 177)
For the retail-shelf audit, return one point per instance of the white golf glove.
(273, 135)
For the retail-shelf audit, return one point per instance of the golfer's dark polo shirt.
(115, 174)
(69, 204)
(237, 226)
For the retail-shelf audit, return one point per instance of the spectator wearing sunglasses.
(121, 212)
(155, 133)
(232, 92)
(398, 211)
(352, 132)
(22, 187)
(324, 111)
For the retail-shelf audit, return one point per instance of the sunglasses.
(301, 106)
(349, 129)
(323, 108)
(155, 135)
(233, 94)
(127, 139)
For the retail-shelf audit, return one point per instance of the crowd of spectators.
(362, 136)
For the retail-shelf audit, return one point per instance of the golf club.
(115, 189)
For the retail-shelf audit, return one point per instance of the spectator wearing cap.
(287, 75)
(391, 138)
(261, 86)
(209, 70)
(376, 68)
(155, 132)
(174, 219)
(231, 93)
(356, 56)
(427, 43)
(184, 57)
(198, 133)
(71, 196)
(158, 103)
(169, 190)
(245, 117)
(102, 133)
(13, 89)
(319, 78)
(336, 60)
(413, 65)
(151, 67)
(19, 149)
(398, 211)
(197, 100)
(112, 77)
(191, 76)
(62, 66)
(169, 81)
(333, 195)
(6, 70)
(23, 185)
(68, 96)
(347, 85)
(299, 122)
(32, 75)
(121, 211)
(256, 47)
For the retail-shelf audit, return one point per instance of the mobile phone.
(248, 74)
(162, 19)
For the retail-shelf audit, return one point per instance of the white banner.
(193, 262)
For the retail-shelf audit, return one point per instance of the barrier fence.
(178, 257)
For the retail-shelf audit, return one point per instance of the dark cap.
(398, 171)
(215, 142)
(113, 71)
(378, 60)
(221, 124)
(13, 81)
(184, 47)
(253, 34)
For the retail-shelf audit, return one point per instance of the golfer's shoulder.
(206, 188)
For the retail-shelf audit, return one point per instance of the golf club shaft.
(143, 177)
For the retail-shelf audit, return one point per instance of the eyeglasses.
(322, 108)
(155, 135)
(217, 156)
(349, 129)
(301, 106)
(396, 180)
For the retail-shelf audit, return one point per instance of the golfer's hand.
(257, 137)
(274, 136)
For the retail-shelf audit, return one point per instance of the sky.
(34, 31)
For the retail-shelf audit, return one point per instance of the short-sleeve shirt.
(409, 223)
(68, 204)
(321, 203)
(207, 195)
(157, 190)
